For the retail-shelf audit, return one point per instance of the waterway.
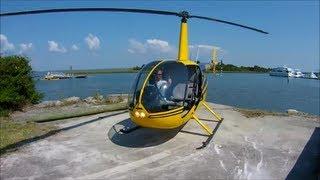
(245, 90)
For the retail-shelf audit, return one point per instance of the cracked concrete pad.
(269, 147)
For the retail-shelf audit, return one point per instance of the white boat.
(311, 75)
(56, 76)
(282, 71)
(298, 74)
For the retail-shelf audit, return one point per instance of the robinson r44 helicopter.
(165, 94)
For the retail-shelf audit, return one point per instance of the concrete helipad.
(270, 147)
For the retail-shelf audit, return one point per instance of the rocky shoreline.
(71, 107)
(95, 100)
(76, 107)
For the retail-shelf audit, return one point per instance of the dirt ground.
(91, 147)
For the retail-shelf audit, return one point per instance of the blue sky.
(108, 40)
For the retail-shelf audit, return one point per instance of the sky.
(110, 40)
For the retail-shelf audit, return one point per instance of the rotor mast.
(183, 54)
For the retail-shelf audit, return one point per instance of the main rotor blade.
(230, 23)
(183, 14)
(148, 11)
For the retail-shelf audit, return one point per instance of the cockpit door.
(193, 89)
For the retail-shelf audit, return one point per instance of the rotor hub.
(185, 15)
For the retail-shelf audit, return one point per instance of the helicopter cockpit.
(166, 85)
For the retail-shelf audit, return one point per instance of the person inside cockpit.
(160, 81)
(162, 84)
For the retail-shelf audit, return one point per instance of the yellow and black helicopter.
(165, 94)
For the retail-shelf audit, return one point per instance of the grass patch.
(12, 132)
(4, 112)
(252, 113)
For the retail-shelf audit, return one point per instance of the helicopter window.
(138, 83)
(166, 87)
(193, 87)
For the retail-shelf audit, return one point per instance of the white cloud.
(93, 42)
(25, 47)
(150, 45)
(54, 47)
(160, 45)
(131, 51)
(5, 45)
(74, 47)
(136, 46)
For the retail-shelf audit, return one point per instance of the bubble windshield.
(138, 83)
(166, 87)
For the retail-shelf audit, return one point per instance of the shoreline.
(71, 107)
(125, 95)
(136, 71)
(88, 73)
(50, 110)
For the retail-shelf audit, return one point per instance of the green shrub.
(17, 88)
(4, 112)
(137, 68)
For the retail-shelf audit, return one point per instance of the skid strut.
(129, 130)
(212, 112)
(205, 127)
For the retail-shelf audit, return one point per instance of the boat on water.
(311, 75)
(80, 76)
(297, 74)
(282, 72)
(56, 76)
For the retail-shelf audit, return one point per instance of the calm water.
(259, 91)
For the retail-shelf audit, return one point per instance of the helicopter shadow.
(140, 138)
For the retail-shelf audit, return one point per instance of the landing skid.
(206, 128)
(129, 130)
(208, 140)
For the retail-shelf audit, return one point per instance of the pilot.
(162, 84)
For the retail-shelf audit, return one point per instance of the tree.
(137, 67)
(17, 88)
